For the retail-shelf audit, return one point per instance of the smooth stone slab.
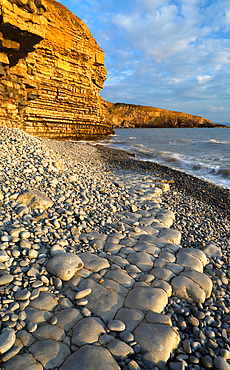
(118, 260)
(26, 338)
(212, 250)
(160, 262)
(151, 230)
(112, 248)
(83, 273)
(3, 256)
(98, 244)
(173, 236)
(149, 360)
(13, 351)
(129, 242)
(102, 302)
(130, 317)
(221, 364)
(6, 279)
(37, 316)
(7, 339)
(158, 318)
(188, 260)
(93, 263)
(49, 352)
(48, 331)
(165, 219)
(116, 325)
(116, 235)
(163, 285)
(65, 303)
(162, 273)
(90, 358)
(196, 253)
(120, 350)
(147, 298)
(25, 362)
(67, 318)
(95, 235)
(159, 339)
(151, 239)
(64, 265)
(121, 277)
(147, 221)
(175, 268)
(147, 248)
(168, 256)
(201, 279)
(118, 288)
(56, 249)
(45, 301)
(173, 247)
(88, 331)
(185, 288)
(166, 212)
(142, 260)
(133, 216)
(35, 199)
(137, 233)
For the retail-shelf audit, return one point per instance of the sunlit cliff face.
(52, 71)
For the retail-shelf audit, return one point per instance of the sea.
(200, 152)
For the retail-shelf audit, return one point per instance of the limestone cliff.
(51, 71)
(136, 116)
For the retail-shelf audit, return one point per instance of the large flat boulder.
(90, 358)
(159, 339)
(147, 298)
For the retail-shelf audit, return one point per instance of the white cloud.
(176, 51)
(203, 79)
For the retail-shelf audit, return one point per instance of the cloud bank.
(168, 54)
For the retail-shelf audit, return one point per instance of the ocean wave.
(200, 168)
(178, 141)
(217, 141)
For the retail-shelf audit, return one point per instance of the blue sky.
(168, 54)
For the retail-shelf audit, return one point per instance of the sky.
(169, 54)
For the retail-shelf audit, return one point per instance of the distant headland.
(123, 115)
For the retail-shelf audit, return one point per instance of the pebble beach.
(109, 263)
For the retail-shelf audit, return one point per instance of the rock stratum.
(51, 71)
(137, 116)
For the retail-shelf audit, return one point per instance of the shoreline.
(124, 220)
(214, 195)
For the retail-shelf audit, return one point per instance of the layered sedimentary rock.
(52, 71)
(137, 116)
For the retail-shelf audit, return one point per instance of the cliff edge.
(51, 72)
(137, 116)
